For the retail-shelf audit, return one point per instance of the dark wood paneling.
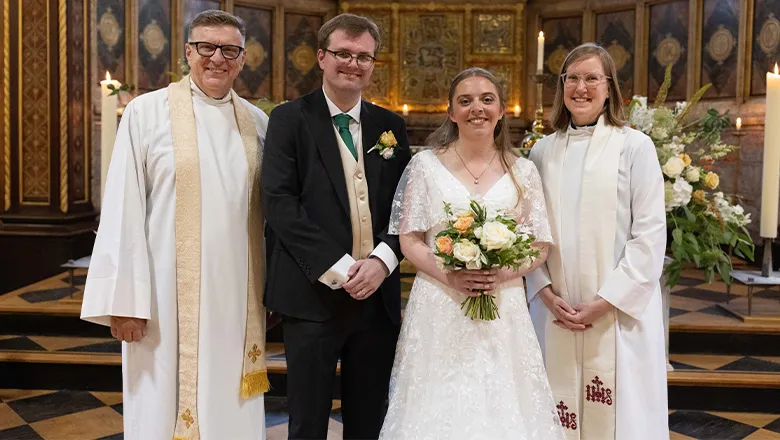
(154, 44)
(256, 79)
(668, 45)
(766, 43)
(616, 31)
(301, 71)
(720, 33)
(561, 35)
(111, 33)
(78, 154)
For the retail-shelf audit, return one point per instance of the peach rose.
(685, 158)
(444, 245)
(464, 222)
(698, 195)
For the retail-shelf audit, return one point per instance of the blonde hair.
(447, 133)
(614, 108)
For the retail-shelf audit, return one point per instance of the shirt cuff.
(336, 276)
(384, 253)
(536, 281)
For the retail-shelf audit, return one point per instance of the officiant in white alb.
(177, 266)
(596, 304)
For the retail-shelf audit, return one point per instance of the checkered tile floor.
(82, 415)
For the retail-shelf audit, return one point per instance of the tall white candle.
(107, 128)
(770, 188)
(405, 110)
(739, 124)
(517, 111)
(540, 53)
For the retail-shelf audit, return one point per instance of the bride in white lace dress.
(455, 378)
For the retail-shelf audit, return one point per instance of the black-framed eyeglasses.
(206, 49)
(363, 60)
(590, 79)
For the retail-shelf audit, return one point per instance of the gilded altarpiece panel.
(34, 134)
(719, 48)
(766, 43)
(384, 21)
(668, 40)
(561, 36)
(255, 81)
(301, 72)
(616, 31)
(111, 32)
(379, 89)
(77, 165)
(154, 44)
(494, 34)
(431, 54)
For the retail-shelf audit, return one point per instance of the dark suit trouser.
(364, 338)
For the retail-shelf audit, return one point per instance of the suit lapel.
(372, 161)
(316, 113)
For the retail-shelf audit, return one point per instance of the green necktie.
(342, 121)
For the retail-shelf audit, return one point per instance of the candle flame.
(776, 72)
(108, 76)
(739, 123)
(517, 108)
(406, 107)
(541, 34)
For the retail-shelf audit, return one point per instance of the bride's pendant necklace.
(476, 178)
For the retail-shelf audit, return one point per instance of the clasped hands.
(365, 277)
(578, 318)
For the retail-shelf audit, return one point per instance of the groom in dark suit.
(332, 268)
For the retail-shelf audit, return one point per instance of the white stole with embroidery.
(597, 228)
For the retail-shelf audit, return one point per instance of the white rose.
(693, 174)
(496, 235)
(682, 192)
(388, 153)
(673, 167)
(467, 252)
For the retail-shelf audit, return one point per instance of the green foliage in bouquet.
(705, 227)
(473, 241)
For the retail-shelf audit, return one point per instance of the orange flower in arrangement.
(444, 245)
(464, 222)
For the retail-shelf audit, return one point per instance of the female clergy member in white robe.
(179, 150)
(596, 303)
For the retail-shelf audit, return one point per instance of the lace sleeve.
(411, 204)
(531, 213)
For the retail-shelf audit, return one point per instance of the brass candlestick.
(537, 127)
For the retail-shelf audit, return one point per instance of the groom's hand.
(365, 277)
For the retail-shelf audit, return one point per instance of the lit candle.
(406, 110)
(517, 111)
(540, 53)
(739, 124)
(770, 189)
(107, 128)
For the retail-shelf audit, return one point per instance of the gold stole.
(597, 224)
(254, 378)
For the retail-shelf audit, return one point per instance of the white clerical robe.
(133, 268)
(641, 395)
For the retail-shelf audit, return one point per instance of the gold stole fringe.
(598, 223)
(188, 256)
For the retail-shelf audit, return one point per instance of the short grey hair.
(215, 17)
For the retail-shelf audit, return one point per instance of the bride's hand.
(467, 281)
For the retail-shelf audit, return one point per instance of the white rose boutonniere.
(386, 145)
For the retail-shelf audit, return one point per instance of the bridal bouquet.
(472, 241)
